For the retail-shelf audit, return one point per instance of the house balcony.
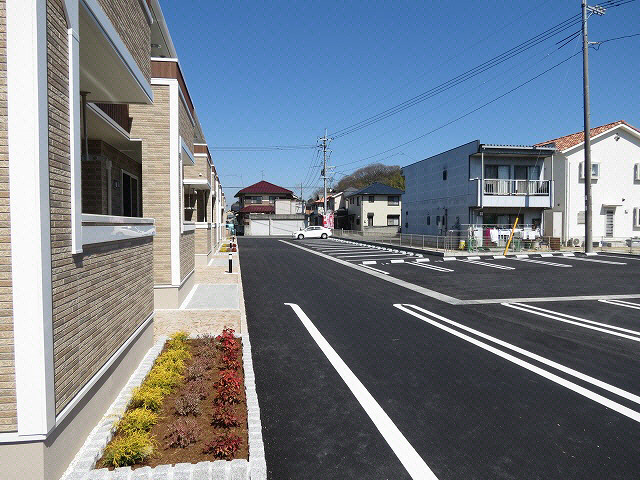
(514, 193)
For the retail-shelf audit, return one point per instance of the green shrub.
(163, 377)
(137, 420)
(128, 450)
(173, 359)
(147, 397)
(178, 341)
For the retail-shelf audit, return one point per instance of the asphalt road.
(529, 390)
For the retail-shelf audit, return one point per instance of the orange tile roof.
(568, 141)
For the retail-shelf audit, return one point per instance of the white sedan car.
(312, 232)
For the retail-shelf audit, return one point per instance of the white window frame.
(636, 217)
(124, 172)
(636, 172)
(394, 217)
(595, 165)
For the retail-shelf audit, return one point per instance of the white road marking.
(366, 255)
(189, 296)
(415, 465)
(391, 279)
(422, 260)
(473, 258)
(448, 259)
(570, 298)
(548, 375)
(431, 267)
(376, 269)
(619, 257)
(542, 262)
(369, 262)
(522, 256)
(485, 264)
(397, 261)
(597, 261)
(499, 257)
(622, 303)
(581, 322)
(345, 250)
(547, 255)
(570, 254)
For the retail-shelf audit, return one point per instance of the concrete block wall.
(8, 413)
(151, 124)
(130, 21)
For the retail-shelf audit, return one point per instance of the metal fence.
(487, 240)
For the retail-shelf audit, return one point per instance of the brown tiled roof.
(264, 187)
(568, 141)
(258, 209)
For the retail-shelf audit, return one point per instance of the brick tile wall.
(8, 414)
(151, 124)
(186, 127)
(203, 240)
(187, 253)
(131, 24)
(101, 296)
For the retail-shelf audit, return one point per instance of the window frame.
(124, 172)
(391, 203)
(393, 217)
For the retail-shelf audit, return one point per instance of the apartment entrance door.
(608, 228)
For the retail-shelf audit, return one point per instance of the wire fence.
(484, 239)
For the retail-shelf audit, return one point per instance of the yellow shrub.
(173, 359)
(163, 376)
(147, 397)
(128, 450)
(178, 341)
(137, 420)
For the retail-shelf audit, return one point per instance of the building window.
(444, 174)
(358, 200)
(372, 198)
(357, 221)
(257, 199)
(428, 219)
(129, 195)
(393, 200)
(406, 225)
(370, 219)
(438, 220)
(393, 220)
(272, 200)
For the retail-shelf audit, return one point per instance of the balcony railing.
(119, 113)
(516, 187)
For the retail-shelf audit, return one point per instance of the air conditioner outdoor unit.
(576, 242)
(570, 242)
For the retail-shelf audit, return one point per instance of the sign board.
(327, 220)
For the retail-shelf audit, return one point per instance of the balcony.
(514, 193)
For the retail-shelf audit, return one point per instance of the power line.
(468, 113)
(503, 57)
(267, 148)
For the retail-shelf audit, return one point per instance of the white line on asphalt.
(366, 255)
(547, 255)
(597, 261)
(571, 298)
(570, 254)
(431, 267)
(499, 257)
(448, 259)
(422, 260)
(391, 279)
(405, 452)
(397, 261)
(619, 256)
(581, 322)
(376, 269)
(189, 296)
(369, 262)
(485, 264)
(542, 262)
(622, 303)
(344, 250)
(550, 376)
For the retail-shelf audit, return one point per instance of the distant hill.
(376, 172)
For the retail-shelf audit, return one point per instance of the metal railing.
(516, 187)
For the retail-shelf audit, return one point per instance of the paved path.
(355, 370)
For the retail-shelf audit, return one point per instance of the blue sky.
(279, 73)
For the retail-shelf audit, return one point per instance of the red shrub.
(223, 446)
(227, 342)
(229, 387)
(223, 416)
(182, 433)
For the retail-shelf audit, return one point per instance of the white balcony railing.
(516, 187)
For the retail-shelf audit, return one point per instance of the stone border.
(82, 466)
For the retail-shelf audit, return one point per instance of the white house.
(478, 184)
(375, 208)
(615, 155)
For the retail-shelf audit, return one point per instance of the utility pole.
(588, 200)
(325, 141)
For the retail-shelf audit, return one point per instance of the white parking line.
(485, 264)
(547, 255)
(397, 261)
(345, 250)
(622, 303)
(366, 255)
(533, 368)
(619, 257)
(596, 261)
(431, 267)
(375, 269)
(581, 322)
(542, 262)
(415, 465)
(369, 262)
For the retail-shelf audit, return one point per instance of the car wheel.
(300, 237)
(324, 235)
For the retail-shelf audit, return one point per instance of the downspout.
(84, 124)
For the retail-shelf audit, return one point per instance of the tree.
(376, 172)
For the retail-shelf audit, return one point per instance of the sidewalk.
(215, 302)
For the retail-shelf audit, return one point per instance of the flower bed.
(190, 408)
